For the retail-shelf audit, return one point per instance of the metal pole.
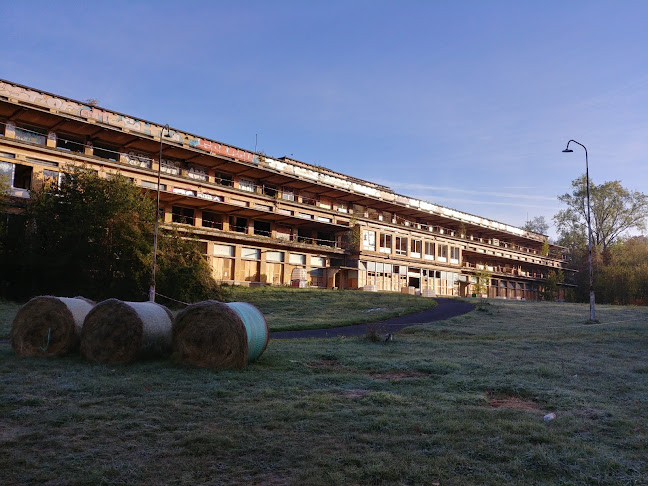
(589, 232)
(157, 218)
(589, 240)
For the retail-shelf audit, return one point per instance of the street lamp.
(589, 230)
(157, 214)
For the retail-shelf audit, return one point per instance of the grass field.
(287, 309)
(449, 403)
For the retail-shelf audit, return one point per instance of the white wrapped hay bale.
(119, 332)
(49, 326)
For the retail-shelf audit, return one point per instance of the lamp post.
(589, 230)
(157, 214)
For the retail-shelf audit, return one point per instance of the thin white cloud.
(417, 188)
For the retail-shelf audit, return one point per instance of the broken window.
(385, 243)
(270, 190)
(238, 224)
(69, 143)
(443, 253)
(429, 250)
(223, 179)
(262, 228)
(369, 240)
(105, 151)
(211, 220)
(401, 245)
(33, 135)
(182, 215)
(415, 250)
(308, 198)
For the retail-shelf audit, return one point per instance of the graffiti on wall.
(221, 149)
(138, 159)
(115, 119)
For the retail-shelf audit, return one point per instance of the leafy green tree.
(614, 211)
(4, 197)
(184, 273)
(551, 284)
(537, 225)
(93, 236)
(482, 279)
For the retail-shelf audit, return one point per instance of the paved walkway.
(445, 309)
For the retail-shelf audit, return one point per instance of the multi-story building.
(273, 220)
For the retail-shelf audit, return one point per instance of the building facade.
(273, 220)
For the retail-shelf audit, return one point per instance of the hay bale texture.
(212, 334)
(118, 332)
(49, 326)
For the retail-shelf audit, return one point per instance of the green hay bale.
(210, 334)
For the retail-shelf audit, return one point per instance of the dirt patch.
(355, 393)
(397, 375)
(511, 402)
(325, 364)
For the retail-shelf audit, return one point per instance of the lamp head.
(567, 150)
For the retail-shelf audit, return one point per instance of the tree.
(184, 273)
(482, 279)
(551, 285)
(614, 211)
(93, 236)
(4, 197)
(537, 225)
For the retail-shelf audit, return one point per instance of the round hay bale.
(49, 326)
(118, 332)
(212, 334)
(256, 328)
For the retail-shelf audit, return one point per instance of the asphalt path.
(445, 309)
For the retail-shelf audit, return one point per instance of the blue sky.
(467, 104)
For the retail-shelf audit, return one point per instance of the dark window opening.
(211, 220)
(223, 179)
(304, 236)
(270, 190)
(31, 134)
(70, 143)
(238, 224)
(22, 177)
(182, 215)
(308, 198)
(106, 152)
(262, 228)
(325, 238)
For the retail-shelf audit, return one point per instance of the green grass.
(417, 410)
(288, 309)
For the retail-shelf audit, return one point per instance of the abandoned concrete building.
(273, 220)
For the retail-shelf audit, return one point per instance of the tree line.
(619, 246)
(93, 236)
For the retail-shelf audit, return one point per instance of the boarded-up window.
(297, 259)
(250, 253)
(224, 250)
(318, 261)
(275, 256)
